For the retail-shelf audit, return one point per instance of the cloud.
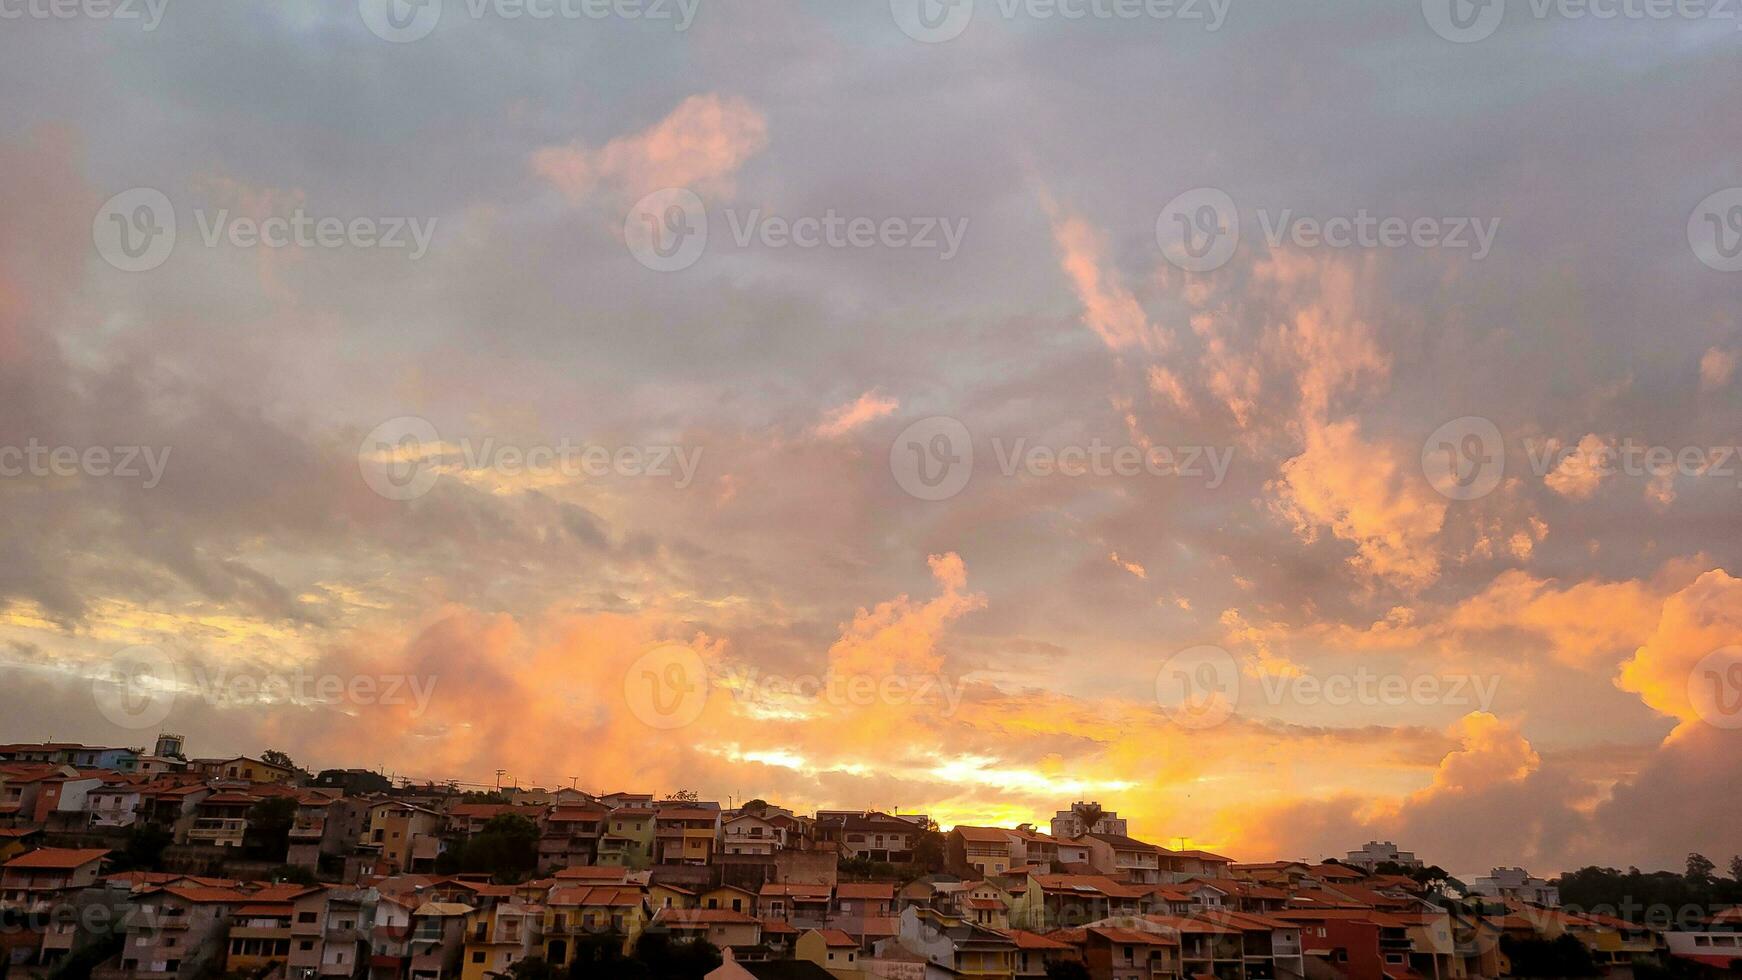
(867, 408)
(699, 146)
(1109, 309)
(1580, 472)
(1696, 621)
(1717, 366)
(1365, 493)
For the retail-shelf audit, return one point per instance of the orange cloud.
(1109, 309)
(699, 146)
(1697, 621)
(868, 407)
(1363, 491)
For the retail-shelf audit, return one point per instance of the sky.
(1289, 425)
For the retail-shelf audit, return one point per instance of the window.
(305, 917)
(306, 945)
(478, 957)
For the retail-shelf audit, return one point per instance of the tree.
(1562, 957)
(530, 968)
(1066, 970)
(1736, 869)
(144, 850)
(928, 849)
(1700, 869)
(277, 758)
(294, 874)
(269, 821)
(506, 849)
(685, 796)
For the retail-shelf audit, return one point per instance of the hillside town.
(116, 864)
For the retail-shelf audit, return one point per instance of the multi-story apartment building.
(1375, 853)
(1087, 818)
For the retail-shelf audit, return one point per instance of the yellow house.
(578, 913)
(831, 949)
(407, 835)
(729, 897)
(671, 897)
(499, 937)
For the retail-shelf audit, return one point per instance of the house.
(805, 906)
(259, 937)
(467, 819)
(868, 899)
(1123, 858)
(405, 835)
(1359, 944)
(1057, 901)
(246, 769)
(38, 879)
(830, 949)
(722, 927)
(1181, 865)
(178, 932)
(749, 833)
(1516, 883)
(1035, 952)
(577, 913)
(874, 836)
(979, 851)
(1119, 953)
(328, 933)
(731, 968)
(437, 945)
(499, 936)
(627, 840)
(729, 897)
(325, 827)
(1205, 948)
(685, 835)
(221, 819)
(956, 944)
(1269, 946)
(667, 896)
(569, 835)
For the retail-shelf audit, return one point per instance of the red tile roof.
(57, 858)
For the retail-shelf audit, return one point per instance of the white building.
(1517, 883)
(1075, 822)
(1381, 852)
